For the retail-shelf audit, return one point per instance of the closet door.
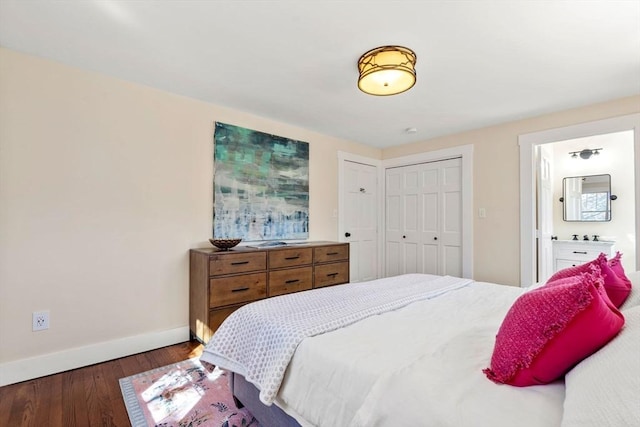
(423, 219)
(403, 210)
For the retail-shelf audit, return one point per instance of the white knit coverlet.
(259, 339)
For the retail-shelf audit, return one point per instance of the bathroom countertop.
(604, 242)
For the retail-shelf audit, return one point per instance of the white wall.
(617, 160)
(104, 187)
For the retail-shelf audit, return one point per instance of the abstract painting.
(260, 186)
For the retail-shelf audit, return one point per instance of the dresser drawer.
(237, 289)
(290, 257)
(331, 253)
(331, 274)
(290, 280)
(217, 316)
(561, 264)
(578, 253)
(237, 263)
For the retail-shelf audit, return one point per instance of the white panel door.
(360, 220)
(451, 217)
(403, 213)
(429, 189)
(423, 218)
(411, 214)
(393, 222)
(545, 212)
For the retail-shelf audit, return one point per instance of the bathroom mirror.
(587, 198)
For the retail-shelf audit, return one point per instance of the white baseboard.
(52, 363)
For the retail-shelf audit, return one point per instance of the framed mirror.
(587, 198)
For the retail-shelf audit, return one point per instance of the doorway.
(359, 217)
(529, 259)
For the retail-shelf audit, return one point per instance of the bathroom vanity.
(570, 253)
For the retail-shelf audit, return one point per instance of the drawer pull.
(239, 290)
(580, 252)
(332, 274)
(332, 253)
(292, 257)
(292, 281)
(240, 262)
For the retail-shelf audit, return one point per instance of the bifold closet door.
(423, 218)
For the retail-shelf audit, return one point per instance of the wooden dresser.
(220, 282)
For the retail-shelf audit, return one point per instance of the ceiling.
(480, 63)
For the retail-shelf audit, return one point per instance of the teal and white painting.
(260, 186)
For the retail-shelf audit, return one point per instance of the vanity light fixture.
(586, 153)
(387, 70)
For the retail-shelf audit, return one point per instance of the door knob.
(347, 234)
(404, 237)
(435, 238)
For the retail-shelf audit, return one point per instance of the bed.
(411, 352)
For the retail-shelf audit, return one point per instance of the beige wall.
(104, 186)
(496, 181)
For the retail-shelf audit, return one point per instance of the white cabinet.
(570, 253)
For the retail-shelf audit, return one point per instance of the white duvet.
(258, 340)
(417, 366)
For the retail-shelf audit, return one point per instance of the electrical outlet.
(40, 320)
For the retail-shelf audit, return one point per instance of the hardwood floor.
(83, 397)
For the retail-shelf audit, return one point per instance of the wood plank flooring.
(83, 397)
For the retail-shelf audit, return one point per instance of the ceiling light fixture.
(387, 70)
(586, 153)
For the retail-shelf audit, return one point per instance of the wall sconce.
(586, 153)
(387, 70)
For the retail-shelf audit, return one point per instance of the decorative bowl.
(225, 244)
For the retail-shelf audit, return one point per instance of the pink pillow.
(616, 266)
(616, 288)
(550, 329)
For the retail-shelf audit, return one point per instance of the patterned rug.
(182, 394)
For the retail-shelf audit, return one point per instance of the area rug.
(184, 394)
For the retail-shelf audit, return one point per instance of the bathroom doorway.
(610, 131)
(581, 160)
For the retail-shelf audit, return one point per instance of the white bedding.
(258, 340)
(615, 370)
(417, 366)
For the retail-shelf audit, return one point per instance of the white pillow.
(603, 389)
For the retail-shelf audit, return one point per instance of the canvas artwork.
(261, 185)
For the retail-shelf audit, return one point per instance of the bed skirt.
(246, 394)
